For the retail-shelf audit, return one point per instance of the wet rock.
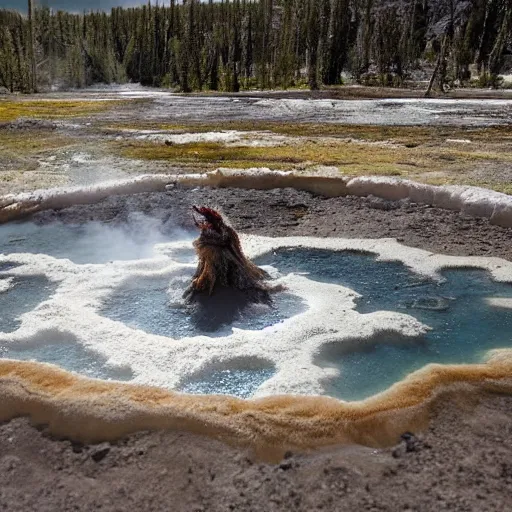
(430, 303)
(410, 443)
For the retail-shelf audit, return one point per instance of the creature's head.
(208, 220)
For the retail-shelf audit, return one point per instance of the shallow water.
(70, 356)
(126, 319)
(463, 325)
(22, 296)
(155, 305)
(239, 377)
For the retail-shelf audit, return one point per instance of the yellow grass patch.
(346, 155)
(51, 109)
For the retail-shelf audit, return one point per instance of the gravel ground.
(462, 463)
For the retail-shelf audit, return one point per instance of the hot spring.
(356, 316)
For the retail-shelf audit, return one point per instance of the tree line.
(242, 44)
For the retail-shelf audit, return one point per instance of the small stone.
(100, 453)
(412, 443)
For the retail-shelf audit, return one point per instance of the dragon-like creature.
(222, 264)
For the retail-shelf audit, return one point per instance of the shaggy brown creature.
(222, 263)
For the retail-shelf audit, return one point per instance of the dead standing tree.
(31, 44)
(446, 44)
(440, 65)
(225, 281)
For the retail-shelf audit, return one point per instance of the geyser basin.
(349, 325)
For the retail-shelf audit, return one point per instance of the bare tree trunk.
(480, 53)
(32, 55)
(436, 69)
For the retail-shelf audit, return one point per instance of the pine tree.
(233, 44)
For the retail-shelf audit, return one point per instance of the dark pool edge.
(473, 201)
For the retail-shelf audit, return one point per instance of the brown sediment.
(89, 410)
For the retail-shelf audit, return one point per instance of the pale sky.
(77, 5)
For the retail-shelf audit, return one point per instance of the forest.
(232, 45)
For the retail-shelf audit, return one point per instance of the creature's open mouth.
(200, 219)
(202, 223)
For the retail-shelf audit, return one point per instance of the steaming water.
(105, 301)
(92, 242)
